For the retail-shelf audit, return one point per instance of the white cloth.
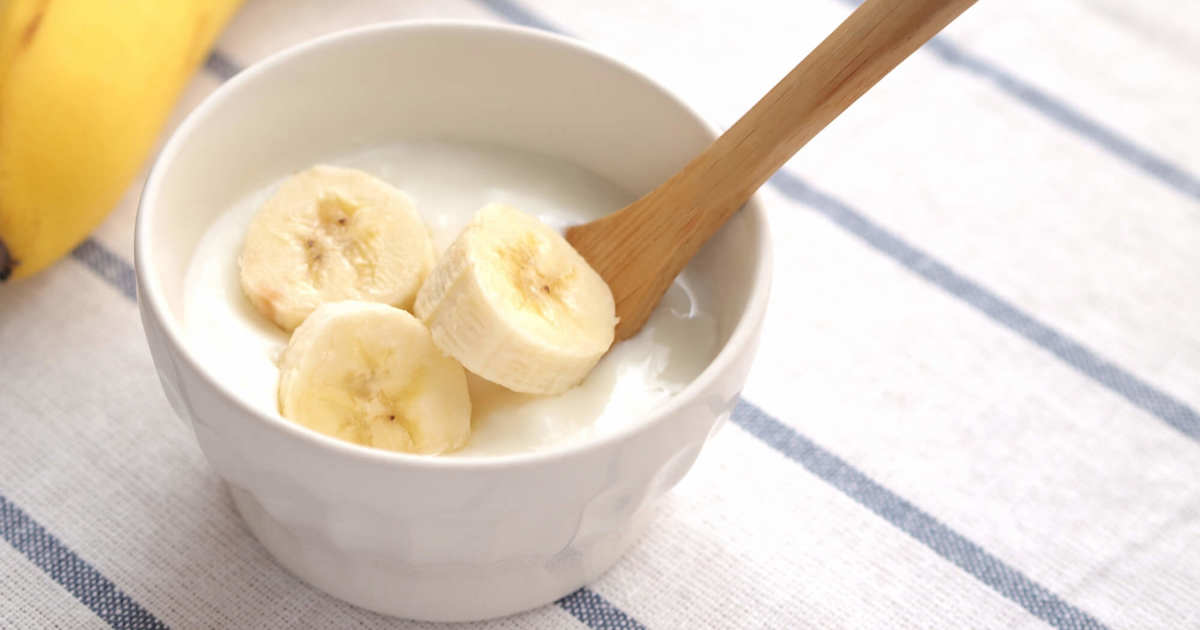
(975, 402)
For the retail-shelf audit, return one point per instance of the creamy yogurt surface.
(448, 183)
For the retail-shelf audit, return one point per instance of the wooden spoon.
(640, 249)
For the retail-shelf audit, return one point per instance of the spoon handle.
(640, 249)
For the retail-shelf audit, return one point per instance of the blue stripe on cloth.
(585, 604)
(910, 519)
(1064, 115)
(221, 65)
(517, 14)
(72, 572)
(107, 265)
(596, 612)
(1162, 405)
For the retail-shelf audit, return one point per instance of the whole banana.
(85, 88)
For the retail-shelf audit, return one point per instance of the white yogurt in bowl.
(448, 182)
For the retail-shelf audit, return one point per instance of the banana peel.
(85, 89)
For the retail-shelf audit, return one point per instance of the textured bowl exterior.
(421, 538)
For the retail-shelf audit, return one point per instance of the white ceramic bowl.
(418, 537)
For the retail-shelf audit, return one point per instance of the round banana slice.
(332, 234)
(369, 373)
(517, 305)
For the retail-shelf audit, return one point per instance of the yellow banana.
(85, 88)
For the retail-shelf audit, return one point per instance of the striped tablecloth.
(975, 404)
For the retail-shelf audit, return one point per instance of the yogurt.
(448, 183)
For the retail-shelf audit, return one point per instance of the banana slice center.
(338, 243)
(540, 283)
(381, 399)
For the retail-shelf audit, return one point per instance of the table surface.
(975, 403)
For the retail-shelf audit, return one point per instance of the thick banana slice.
(332, 234)
(369, 373)
(517, 305)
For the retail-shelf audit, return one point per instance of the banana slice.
(332, 234)
(369, 373)
(517, 305)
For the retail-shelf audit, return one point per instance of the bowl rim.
(150, 295)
